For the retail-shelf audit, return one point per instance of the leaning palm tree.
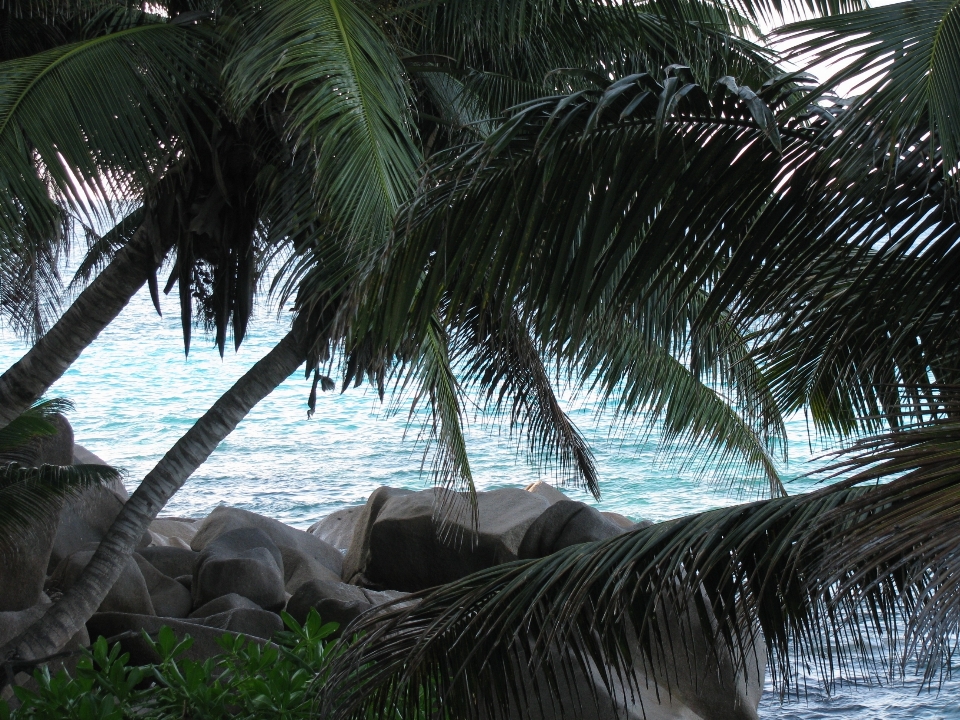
(261, 70)
(825, 227)
(220, 157)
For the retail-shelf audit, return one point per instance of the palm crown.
(600, 194)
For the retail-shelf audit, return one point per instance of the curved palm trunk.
(69, 614)
(91, 312)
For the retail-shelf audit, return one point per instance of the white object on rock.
(173, 531)
(546, 491)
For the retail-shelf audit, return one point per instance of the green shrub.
(246, 681)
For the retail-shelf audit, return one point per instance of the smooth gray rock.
(112, 624)
(173, 532)
(169, 598)
(172, 562)
(299, 568)
(25, 560)
(563, 524)
(243, 561)
(84, 519)
(87, 517)
(23, 565)
(406, 549)
(336, 601)
(129, 593)
(624, 522)
(223, 604)
(337, 528)
(82, 456)
(53, 449)
(252, 622)
(358, 552)
(225, 519)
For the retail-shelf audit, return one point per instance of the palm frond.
(33, 422)
(501, 361)
(643, 380)
(436, 381)
(511, 54)
(102, 247)
(340, 84)
(906, 55)
(32, 495)
(30, 282)
(824, 578)
(87, 120)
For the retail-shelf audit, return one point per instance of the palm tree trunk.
(93, 310)
(69, 614)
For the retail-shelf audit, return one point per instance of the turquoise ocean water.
(136, 394)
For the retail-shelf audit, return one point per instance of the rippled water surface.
(136, 394)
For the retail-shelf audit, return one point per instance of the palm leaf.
(501, 361)
(437, 383)
(640, 378)
(32, 495)
(33, 422)
(340, 84)
(102, 247)
(823, 577)
(92, 120)
(906, 54)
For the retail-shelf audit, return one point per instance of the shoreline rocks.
(235, 571)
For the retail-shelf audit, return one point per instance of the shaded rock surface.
(129, 593)
(54, 449)
(23, 566)
(173, 532)
(172, 562)
(85, 519)
(225, 603)
(336, 601)
(563, 524)
(112, 624)
(337, 528)
(252, 622)
(244, 561)
(224, 519)
(547, 491)
(401, 549)
(169, 598)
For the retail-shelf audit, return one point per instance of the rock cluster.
(234, 570)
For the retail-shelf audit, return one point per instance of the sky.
(825, 70)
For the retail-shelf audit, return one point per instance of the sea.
(135, 393)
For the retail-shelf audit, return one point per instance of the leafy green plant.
(248, 680)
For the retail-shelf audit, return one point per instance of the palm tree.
(461, 72)
(71, 81)
(824, 227)
(333, 220)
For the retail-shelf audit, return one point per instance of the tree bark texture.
(91, 312)
(71, 612)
